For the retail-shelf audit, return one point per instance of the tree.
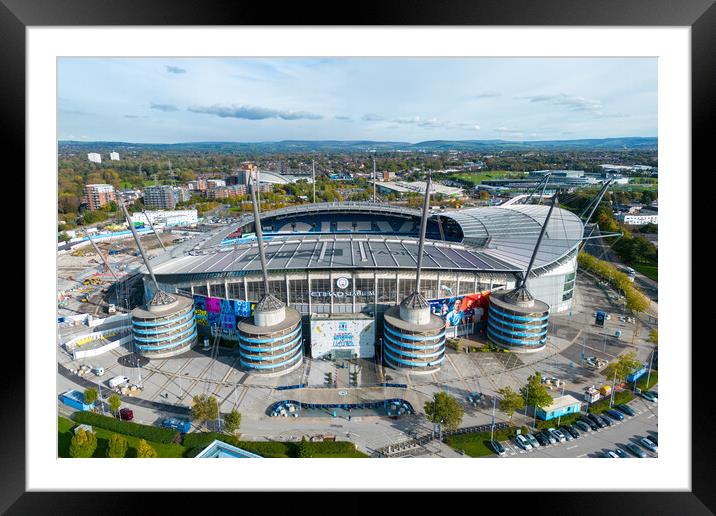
(654, 337)
(117, 447)
(484, 195)
(91, 396)
(623, 366)
(232, 421)
(114, 403)
(511, 401)
(304, 450)
(535, 393)
(145, 450)
(83, 444)
(204, 408)
(444, 409)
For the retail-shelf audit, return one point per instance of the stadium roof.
(497, 239)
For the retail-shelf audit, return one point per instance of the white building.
(114, 156)
(638, 219)
(168, 218)
(94, 157)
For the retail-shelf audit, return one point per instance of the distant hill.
(289, 146)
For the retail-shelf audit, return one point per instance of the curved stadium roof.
(496, 239)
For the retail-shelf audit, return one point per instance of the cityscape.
(341, 268)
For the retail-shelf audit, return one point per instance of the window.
(255, 290)
(320, 291)
(407, 287)
(298, 291)
(278, 289)
(429, 288)
(236, 290)
(200, 290)
(386, 290)
(467, 284)
(364, 288)
(217, 290)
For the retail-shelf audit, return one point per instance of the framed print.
(429, 235)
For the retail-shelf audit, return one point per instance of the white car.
(532, 440)
(522, 442)
(557, 434)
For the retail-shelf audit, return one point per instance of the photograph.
(444, 257)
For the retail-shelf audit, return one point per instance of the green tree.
(304, 450)
(117, 447)
(232, 421)
(114, 403)
(444, 409)
(654, 337)
(510, 401)
(535, 393)
(145, 450)
(624, 365)
(91, 396)
(83, 444)
(63, 237)
(204, 408)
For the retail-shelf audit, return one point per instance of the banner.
(221, 313)
(466, 312)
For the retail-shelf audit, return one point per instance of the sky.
(172, 100)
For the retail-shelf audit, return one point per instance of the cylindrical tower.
(517, 321)
(413, 338)
(272, 342)
(165, 327)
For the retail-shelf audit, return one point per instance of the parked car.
(611, 454)
(559, 436)
(591, 424)
(649, 396)
(531, 439)
(571, 430)
(605, 421)
(635, 450)
(584, 427)
(654, 393)
(622, 454)
(126, 414)
(646, 443)
(615, 414)
(522, 442)
(654, 438)
(497, 448)
(549, 436)
(626, 409)
(542, 439)
(568, 436)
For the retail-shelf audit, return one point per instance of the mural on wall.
(221, 313)
(466, 313)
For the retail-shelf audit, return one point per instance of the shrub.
(150, 433)
(117, 447)
(619, 397)
(83, 444)
(145, 450)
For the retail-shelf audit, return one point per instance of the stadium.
(341, 266)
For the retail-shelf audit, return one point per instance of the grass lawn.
(477, 444)
(650, 271)
(653, 380)
(476, 178)
(265, 449)
(64, 431)
(603, 404)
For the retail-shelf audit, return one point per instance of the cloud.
(74, 112)
(175, 69)
(341, 117)
(432, 123)
(164, 107)
(487, 95)
(253, 112)
(135, 116)
(372, 117)
(573, 103)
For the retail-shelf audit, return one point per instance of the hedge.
(567, 419)
(603, 404)
(150, 433)
(194, 442)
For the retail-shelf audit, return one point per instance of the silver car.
(558, 435)
(522, 442)
(532, 440)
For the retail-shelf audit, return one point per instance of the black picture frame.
(17, 15)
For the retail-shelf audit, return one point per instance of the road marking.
(572, 447)
(651, 416)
